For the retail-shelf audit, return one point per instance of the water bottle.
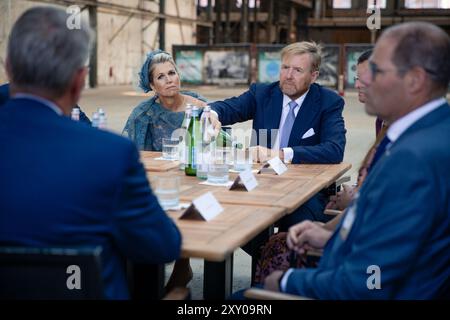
(191, 143)
(95, 120)
(182, 150)
(204, 145)
(102, 121)
(75, 114)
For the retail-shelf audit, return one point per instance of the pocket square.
(309, 133)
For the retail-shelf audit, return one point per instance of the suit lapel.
(274, 109)
(435, 116)
(306, 115)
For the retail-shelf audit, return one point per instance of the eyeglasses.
(374, 69)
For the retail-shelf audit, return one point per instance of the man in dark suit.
(394, 239)
(302, 119)
(64, 184)
(5, 95)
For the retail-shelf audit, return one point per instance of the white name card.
(206, 207)
(274, 164)
(246, 180)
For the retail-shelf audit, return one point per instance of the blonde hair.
(313, 49)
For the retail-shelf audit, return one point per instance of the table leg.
(218, 279)
(146, 281)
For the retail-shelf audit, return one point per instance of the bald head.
(423, 45)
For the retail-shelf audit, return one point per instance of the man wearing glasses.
(394, 239)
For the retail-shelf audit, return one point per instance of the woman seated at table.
(158, 116)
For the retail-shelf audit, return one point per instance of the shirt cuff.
(217, 115)
(284, 280)
(288, 155)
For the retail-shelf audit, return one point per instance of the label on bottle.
(194, 157)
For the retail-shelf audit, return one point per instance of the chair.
(261, 294)
(50, 273)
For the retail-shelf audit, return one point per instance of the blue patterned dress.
(149, 122)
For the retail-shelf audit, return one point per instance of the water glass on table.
(170, 148)
(167, 190)
(242, 159)
(218, 173)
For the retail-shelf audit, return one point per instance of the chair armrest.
(314, 253)
(342, 180)
(331, 212)
(178, 293)
(261, 294)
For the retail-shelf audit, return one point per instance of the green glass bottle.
(224, 139)
(194, 135)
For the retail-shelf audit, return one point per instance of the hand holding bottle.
(215, 123)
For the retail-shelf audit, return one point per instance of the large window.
(342, 4)
(376, 4)
(427, 4)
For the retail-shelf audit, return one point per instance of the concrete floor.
(119, 101)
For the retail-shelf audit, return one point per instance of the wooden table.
(246, 213)
(150, 164)
(216, 240)
(288, 191)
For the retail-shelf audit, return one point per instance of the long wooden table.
(216, 240)
(246, 214)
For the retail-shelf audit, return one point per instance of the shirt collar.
(299, 100)
(45, 102)
(397, 128)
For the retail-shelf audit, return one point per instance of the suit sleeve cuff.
(217, 115)
(284, 280)
(288, 155)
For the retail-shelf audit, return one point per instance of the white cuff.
(216, 114)
(288, 155)
(284, 280)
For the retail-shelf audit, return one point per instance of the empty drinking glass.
(170, 148)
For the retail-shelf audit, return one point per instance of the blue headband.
(144, 80)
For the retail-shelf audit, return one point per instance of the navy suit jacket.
(321, 110)
(402, 225)
(64, 184)
(4, 97)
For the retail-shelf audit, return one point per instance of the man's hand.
(272, 281)
(342, 199)
(215, 123)
(262, 154)
(307, 235)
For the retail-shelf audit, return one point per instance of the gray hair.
(424, 45)
(312, 48)
(43, 53)
(162, 57)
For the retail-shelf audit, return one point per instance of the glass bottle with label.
(194, 135)
(182, 149)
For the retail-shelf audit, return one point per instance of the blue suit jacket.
(4, 97)
(402, 224)
(64, 184)
(321, 110)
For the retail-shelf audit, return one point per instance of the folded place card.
(206, 207)
(275, 165)
(245, 180)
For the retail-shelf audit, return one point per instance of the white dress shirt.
(399, 126)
